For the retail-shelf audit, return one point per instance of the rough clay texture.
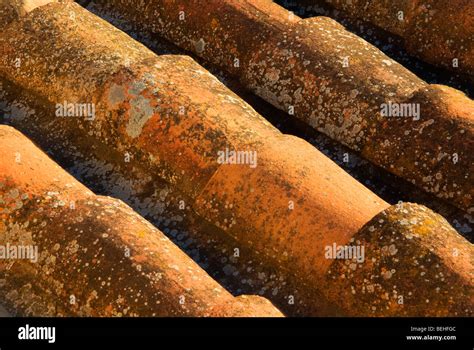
(97, 257)
(139, 100)
(300, 67)
(415, 264)
(12, 10)
(165, 206)
(436, 31)
(173, 117)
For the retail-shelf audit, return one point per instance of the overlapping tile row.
(140, 111)
(439, 32)
(233, 263)
(285, 200)
(388, 186)
(72, 253)
(332, 80)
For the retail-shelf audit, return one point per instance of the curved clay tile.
(288, 205)
(95, 256)
(436, 31)
(331, 79)
(418, 265)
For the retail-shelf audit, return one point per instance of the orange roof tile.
(92, 255)
(274, 194)
(332, 80)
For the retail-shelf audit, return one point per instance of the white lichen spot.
(140, 113)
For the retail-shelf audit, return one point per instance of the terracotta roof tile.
(436, 31)
(95, 256)
(290, 204)
(321, 72)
